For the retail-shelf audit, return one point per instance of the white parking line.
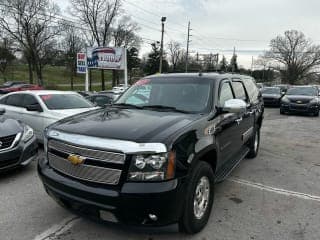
(58, 229)
(276, 190)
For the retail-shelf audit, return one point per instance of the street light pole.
(163, 19)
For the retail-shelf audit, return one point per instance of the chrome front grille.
(103, 156)
(85, 172)
(8, 142)
(95, 167)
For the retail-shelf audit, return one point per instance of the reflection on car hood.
(9, 127)
(300, 98)
(126, 124)
(69, 112)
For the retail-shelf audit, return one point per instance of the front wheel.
(199, 199)
(316, 114)
(254, 144)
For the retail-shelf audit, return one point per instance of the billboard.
(106, 58)
(81, 63)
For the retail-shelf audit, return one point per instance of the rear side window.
(252, 89)
(15, 100)
(225, 93)
(239, 91)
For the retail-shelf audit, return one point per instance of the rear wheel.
(316, 114)
(254, 143)
(281, 111)
(199, 199)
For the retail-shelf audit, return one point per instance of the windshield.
(306, 91)
(65, 101)
(185, 94)
(271, 90)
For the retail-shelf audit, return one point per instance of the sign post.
(82, 67)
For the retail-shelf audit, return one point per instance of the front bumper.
(299, 108)
(21, 155)
(128, 203)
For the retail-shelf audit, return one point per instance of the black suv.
(153, 157)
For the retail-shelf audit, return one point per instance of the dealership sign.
(81, 63)
(106, 58)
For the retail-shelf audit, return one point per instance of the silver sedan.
(39, 109)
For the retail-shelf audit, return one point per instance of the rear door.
(246, 122)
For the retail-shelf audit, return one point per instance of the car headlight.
(152, 167)
(285, 100)
(315, 100)
(27, 133)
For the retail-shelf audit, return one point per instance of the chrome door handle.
(239, 120)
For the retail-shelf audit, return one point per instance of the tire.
(316, 114)
(282, 112)
(193, 221)
(254, 143)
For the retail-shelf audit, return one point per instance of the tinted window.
(15, 100)
(29, 100)
(102, 100)
(306, 91)
(183, 93)
(239, 91)
(271, 90)
(225, 93)
(252, 89)
(3, 100)
(65, 101)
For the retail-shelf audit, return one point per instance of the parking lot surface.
(275, 196)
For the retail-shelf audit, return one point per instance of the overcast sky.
(220, 25)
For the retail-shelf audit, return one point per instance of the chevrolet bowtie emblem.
(76, 159)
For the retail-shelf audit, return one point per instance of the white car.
(120, 88)
(39, 109)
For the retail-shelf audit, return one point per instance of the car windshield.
(183, 94)
(306, 91)
(65, 101)
(271, 90)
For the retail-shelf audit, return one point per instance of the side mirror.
(235, 106)
(34, 108)
(2, 111)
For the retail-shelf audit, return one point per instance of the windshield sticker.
(142, 82)
(46, 97)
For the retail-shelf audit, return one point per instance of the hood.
(9, 127)
(59, 114)
(267, 95)
(126, 124)
(301, 98)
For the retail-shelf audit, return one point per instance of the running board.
(225, 170)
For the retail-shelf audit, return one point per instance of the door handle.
(239, 120)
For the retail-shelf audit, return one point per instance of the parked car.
(301, 99)
(39, 109)
(85, 93)
(20, 87)
(260, 86)
(271, 96)
(18, 145)
(111, 93)
(153, 159)
(11, 83)
(101, 99)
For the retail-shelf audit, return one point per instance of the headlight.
(285, 100)
(27, 133)
(315, 100)
(152, 167)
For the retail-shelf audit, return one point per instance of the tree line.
(34, 30)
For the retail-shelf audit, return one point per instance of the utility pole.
(188, 42)
(163, 19)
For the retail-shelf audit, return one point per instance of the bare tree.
(299, 56)
(98, 16)
(6, 56)
(31, 24)
(72, 43)
(175, 53)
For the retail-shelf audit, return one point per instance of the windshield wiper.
(127, 105)
(162, 107)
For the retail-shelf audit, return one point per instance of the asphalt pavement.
(275, 196)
